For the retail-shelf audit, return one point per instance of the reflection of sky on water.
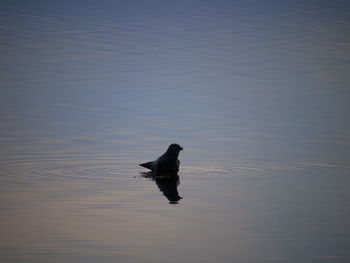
(251, 89)
(213, 71)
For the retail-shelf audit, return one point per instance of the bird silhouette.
(167, 184)
(166, 163)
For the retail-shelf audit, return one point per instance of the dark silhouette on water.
(164, 172)
(166, 163)
(167, 184)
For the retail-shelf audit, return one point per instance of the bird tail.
(148, 165)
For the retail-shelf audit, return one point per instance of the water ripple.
(254, 169)
(31, 171)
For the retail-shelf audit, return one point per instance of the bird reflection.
(167, 184)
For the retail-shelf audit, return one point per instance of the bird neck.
(172, 154)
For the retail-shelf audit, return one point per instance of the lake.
(257, 93)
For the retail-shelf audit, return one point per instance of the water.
(256, 94)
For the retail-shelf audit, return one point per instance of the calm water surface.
(256, 93)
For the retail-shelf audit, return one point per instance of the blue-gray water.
(257, 93)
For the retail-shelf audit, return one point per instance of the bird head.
(174, 148)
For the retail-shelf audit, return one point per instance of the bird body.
(168, 162)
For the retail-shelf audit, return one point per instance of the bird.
(166, 163)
